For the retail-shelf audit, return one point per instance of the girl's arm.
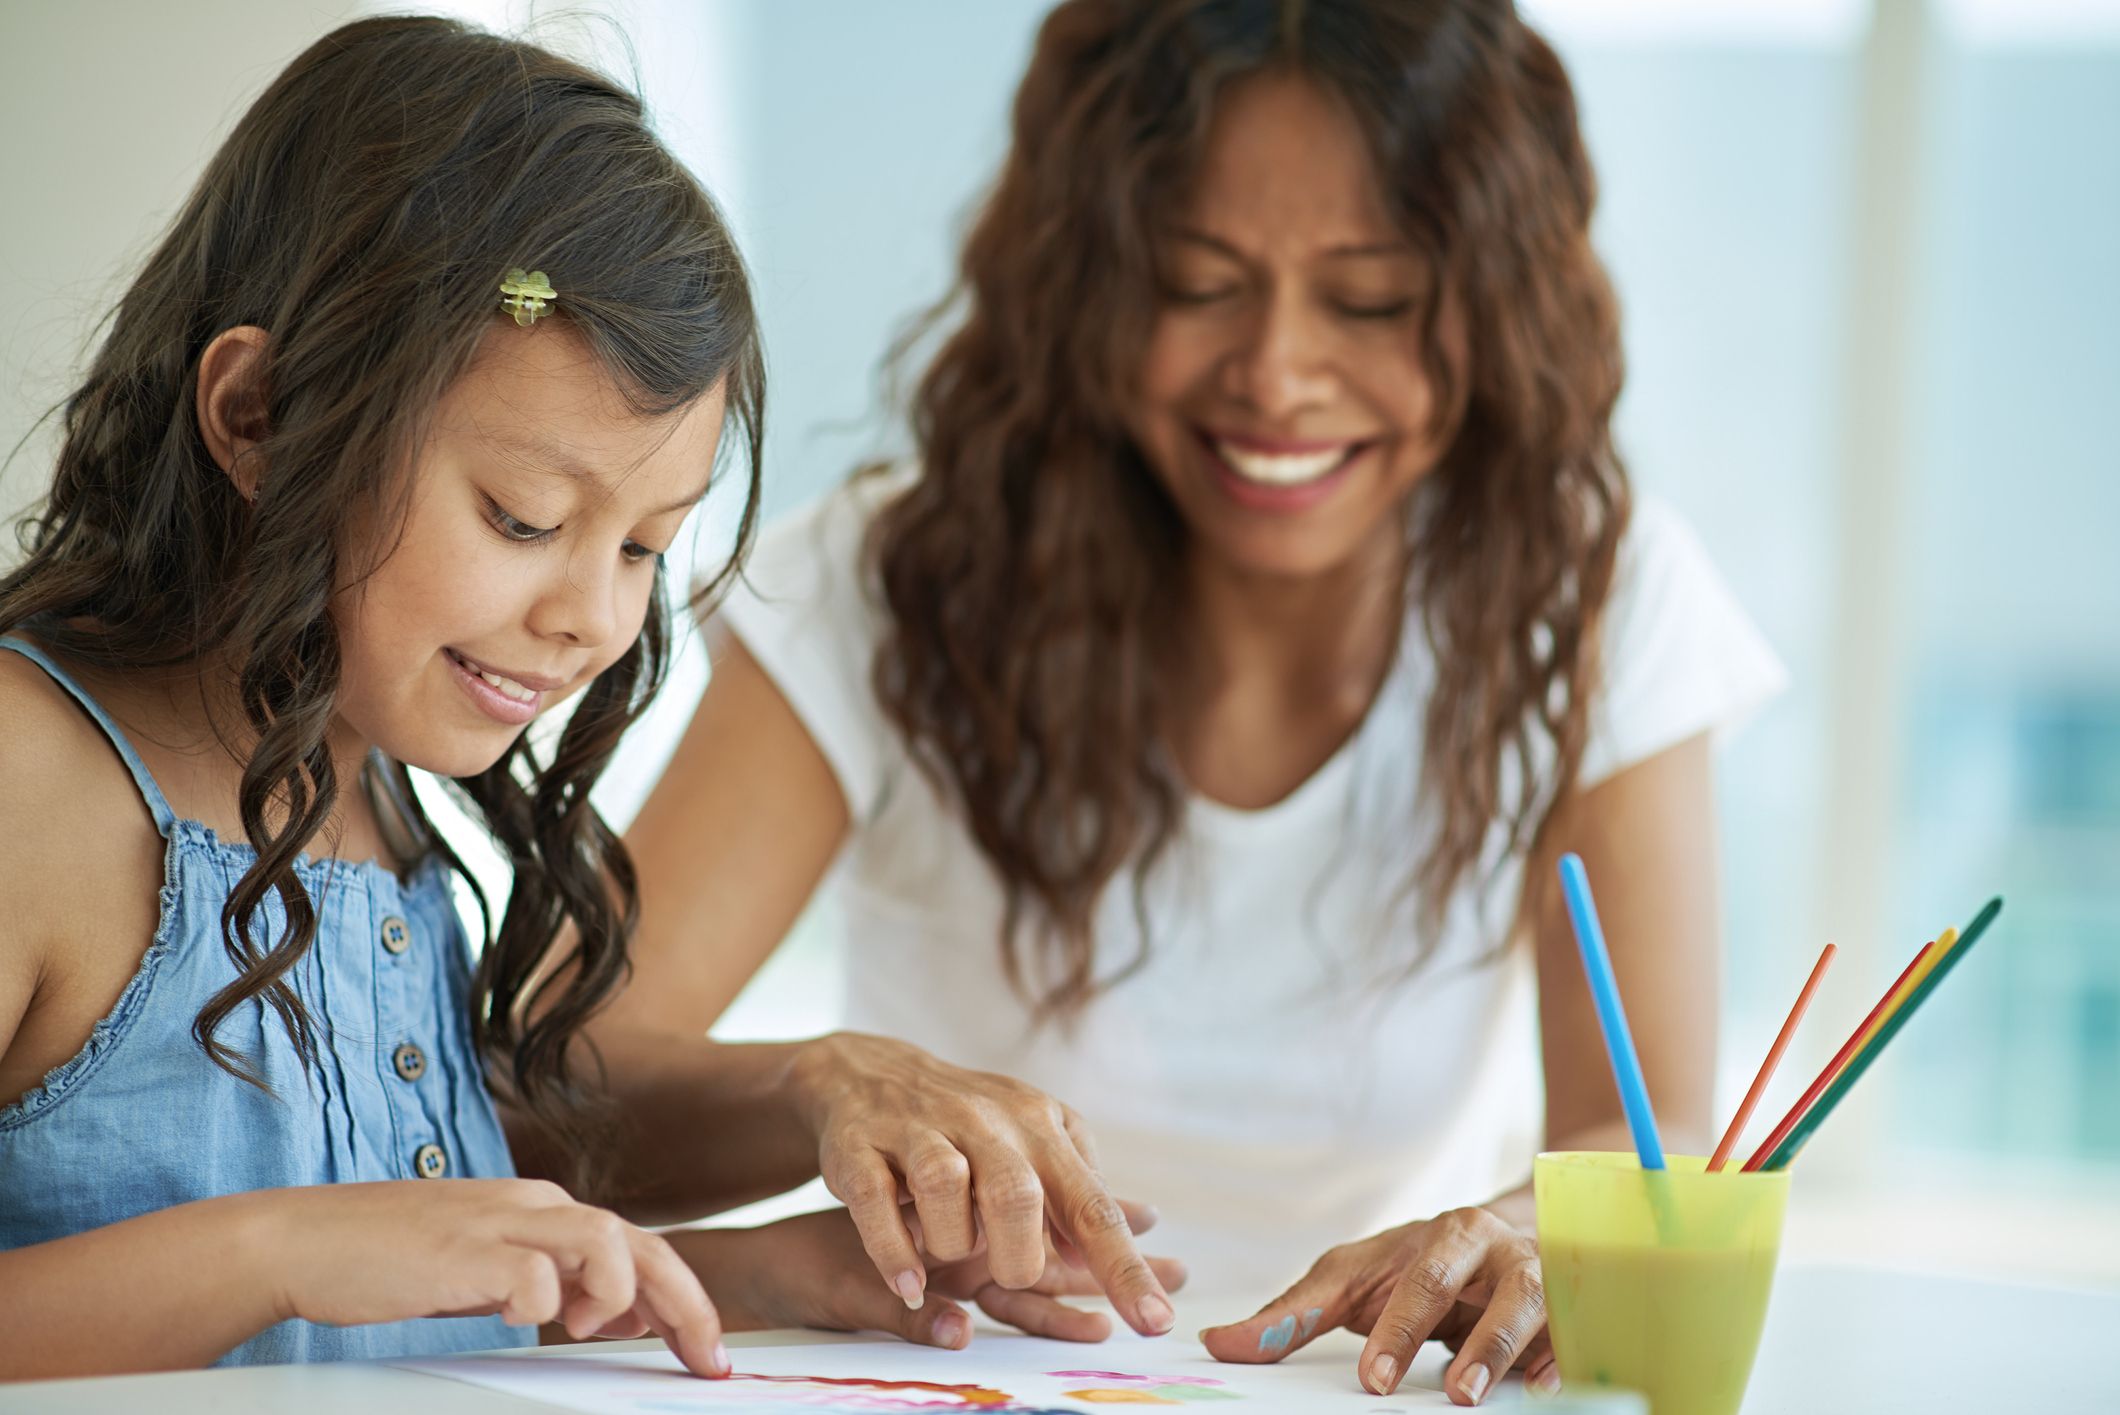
(736, 837)
(172, 1289)
(1647, 838)
(185, 1285)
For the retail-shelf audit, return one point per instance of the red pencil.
(1825, 1077)
(1766, 1068)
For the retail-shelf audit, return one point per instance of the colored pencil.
(1816, 1116)
(1832, 1068)
(1611, 1017)
(1766, 1068)
(1930, 957)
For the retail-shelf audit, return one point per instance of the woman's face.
(1284, 403)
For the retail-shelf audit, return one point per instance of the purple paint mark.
(1123, 1376)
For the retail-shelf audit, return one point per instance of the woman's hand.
(979, 1156)
(1467, 1279)
(388, 1252)
(813, 1271)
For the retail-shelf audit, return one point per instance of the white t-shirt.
(1272, 1077)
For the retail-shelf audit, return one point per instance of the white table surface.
(1838, 1342)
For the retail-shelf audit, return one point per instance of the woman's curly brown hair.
(1023, 571)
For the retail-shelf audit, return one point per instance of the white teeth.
(1281, 470)
(507, 687)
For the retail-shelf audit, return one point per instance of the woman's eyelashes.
(1349, 308)
(1180, 295)
(1383, 309)
(520, 532)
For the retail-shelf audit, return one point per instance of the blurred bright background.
(1870, 262)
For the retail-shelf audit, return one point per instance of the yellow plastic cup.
(1657, 1282)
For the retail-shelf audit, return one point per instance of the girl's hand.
(976, 1154)
(388, 1252)
(1467, 1279)
(813, 1271)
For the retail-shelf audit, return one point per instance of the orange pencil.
(1766, 1068)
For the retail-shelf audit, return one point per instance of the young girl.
(378, 463)
(1193, 730)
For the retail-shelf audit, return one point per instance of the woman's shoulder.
(810, 613)
(1680, 653)
(1660, 549)
(811, 563)
(830, 531)
(1667, 590)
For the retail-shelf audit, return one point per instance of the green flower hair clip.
(527, 296)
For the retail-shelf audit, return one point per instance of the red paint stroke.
(974, 1397)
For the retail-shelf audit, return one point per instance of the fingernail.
(721, 1359)
(1155, 1314)
(907, 1285)
(1383, 1372)
(1475, 1384)
(952, 1330)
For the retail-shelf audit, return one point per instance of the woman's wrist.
(1517, 1208)
(816, 1078)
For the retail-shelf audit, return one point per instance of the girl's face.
(527, 554)
(1284, 403)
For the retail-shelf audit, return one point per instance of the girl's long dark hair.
(1028, 570)
(363, 213)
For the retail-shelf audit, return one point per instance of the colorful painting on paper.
(996, 1375)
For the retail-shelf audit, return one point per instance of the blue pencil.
(1611, 1017)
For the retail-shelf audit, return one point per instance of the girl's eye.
(515, 530)
(523, 533)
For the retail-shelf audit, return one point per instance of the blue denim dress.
(141, 1120)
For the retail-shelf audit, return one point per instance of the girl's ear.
(232, 403)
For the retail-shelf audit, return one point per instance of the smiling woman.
(1191, 726)
(1282, 475)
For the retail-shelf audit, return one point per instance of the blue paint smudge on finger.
(1277, 1336)
(1310, 1321)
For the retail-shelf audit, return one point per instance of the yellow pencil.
(1930, 957)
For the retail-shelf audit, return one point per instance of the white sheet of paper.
(996, 1375)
